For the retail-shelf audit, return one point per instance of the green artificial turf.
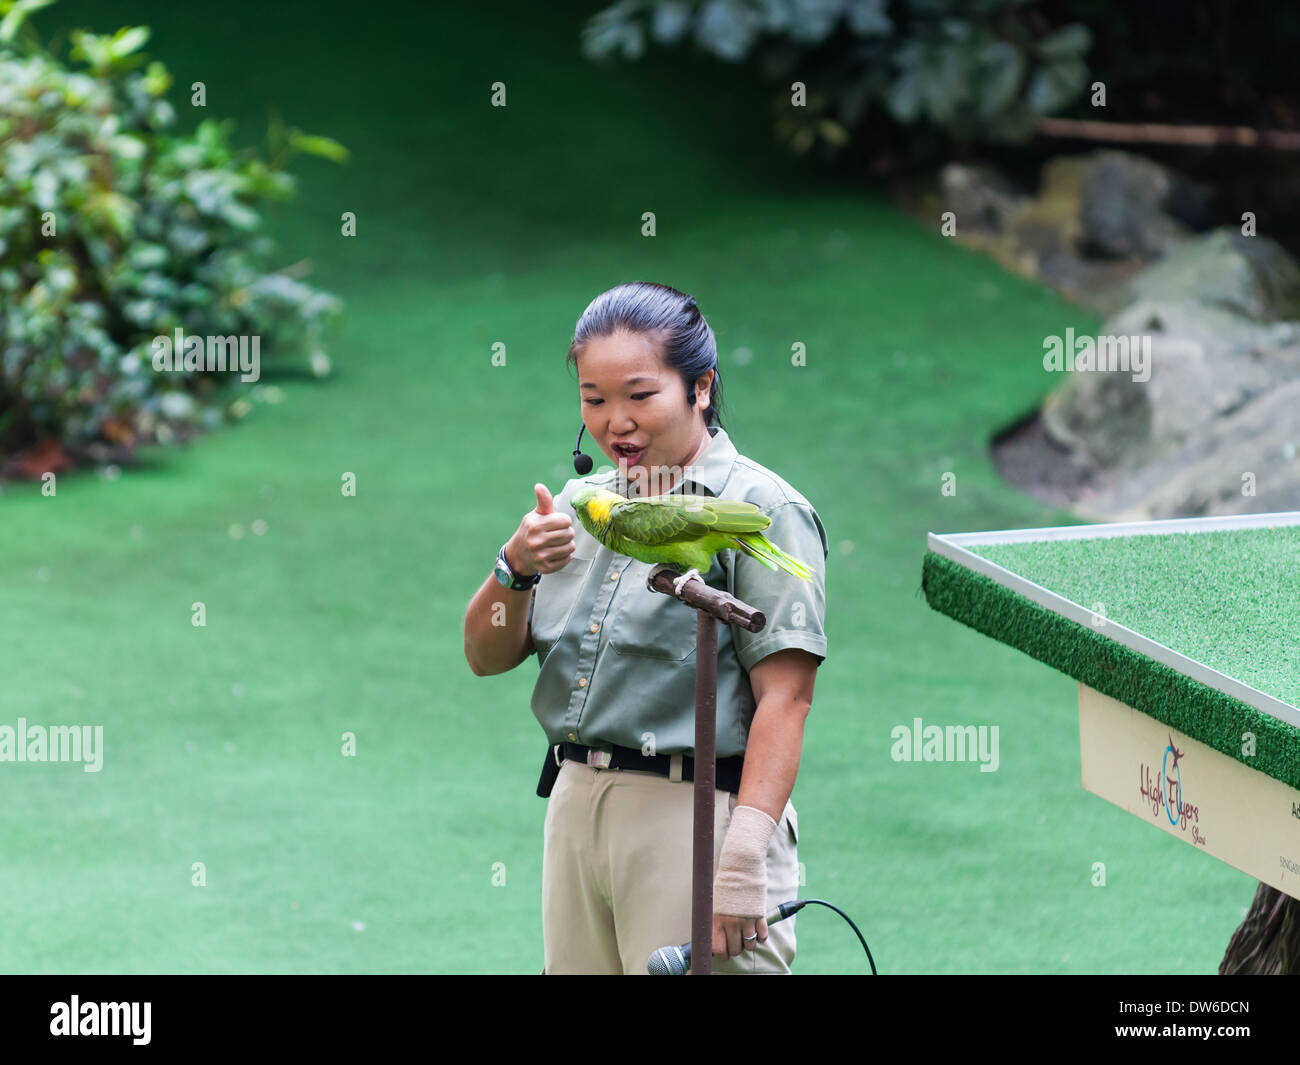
(1229, 599)
(1088, 655)
(422, 853)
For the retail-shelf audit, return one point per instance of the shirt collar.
(709, 471)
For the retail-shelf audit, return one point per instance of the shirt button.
(573, 736)
(613, 576)
(595, 628)
(582, 682)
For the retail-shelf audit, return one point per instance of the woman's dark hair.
(661, 312)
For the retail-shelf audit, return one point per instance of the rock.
(1246, 463)
(980, 197)
(1042, 239)
(1253, 276)
(1044, 236)
(1048, 225)
(1202, 418)
(1203, 363)
(1126, 206)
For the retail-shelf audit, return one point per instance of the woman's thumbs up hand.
(543, 542)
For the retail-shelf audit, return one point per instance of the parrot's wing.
(673, 518)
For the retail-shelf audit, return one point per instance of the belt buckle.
(599, 759)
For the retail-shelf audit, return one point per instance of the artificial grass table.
(1184, 637)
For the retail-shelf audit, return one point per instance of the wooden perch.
(710, 604)
(722, 605)
(1159, 133)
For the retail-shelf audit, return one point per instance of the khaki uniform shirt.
(617, 661)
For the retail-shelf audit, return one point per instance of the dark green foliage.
(113, 232)
(971, 68)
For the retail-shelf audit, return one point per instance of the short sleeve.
(795, 608)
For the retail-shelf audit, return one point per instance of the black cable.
(788, 909)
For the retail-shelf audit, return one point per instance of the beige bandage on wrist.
(740, 887)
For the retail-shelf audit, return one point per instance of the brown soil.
(1026, 457)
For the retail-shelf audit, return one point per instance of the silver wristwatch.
(506, 576)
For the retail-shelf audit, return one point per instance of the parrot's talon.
(691, 574)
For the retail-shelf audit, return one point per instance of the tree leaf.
(726, 28)
(867, 18)
(671, 20)
(325, 147)
(128, 40)
(17, 15)
(1001, 71)
(1069, 42)
(1054, 86)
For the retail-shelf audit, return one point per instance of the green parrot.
(681, 530)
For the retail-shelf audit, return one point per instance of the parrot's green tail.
(758, 546)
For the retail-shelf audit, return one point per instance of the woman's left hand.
(729, 934)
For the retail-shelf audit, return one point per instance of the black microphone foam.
(581, 463)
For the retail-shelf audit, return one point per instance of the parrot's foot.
(691, 574)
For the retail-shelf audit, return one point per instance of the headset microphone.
(581, 463)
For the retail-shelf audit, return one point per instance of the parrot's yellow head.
(592, 505)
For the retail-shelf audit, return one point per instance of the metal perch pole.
(709, 603)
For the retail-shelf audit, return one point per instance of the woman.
(616, 689)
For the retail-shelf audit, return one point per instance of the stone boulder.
(1251, 276)
(1203, 363)
(1245, 463)
(1134, 207)
(1094, 220)
(980, 197)
(1209, 423)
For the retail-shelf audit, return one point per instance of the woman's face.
(629, 396)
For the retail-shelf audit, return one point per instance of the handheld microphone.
(581, 463)
(675, 961)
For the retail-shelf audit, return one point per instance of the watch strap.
(518, 583)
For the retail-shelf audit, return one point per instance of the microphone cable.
(788, 909)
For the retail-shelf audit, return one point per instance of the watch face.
(502, 574)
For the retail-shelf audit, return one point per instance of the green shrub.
(114, 232)
(973, 69)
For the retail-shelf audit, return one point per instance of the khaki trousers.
(616, 873)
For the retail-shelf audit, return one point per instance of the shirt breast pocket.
(555, 597)
(650, 624)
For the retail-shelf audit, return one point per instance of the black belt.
(726, 775)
